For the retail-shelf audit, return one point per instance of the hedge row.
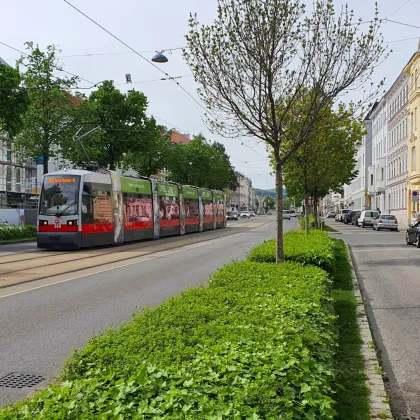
(317, 249)
(257, 343)
(10, 232)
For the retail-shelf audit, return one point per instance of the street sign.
(414, 196)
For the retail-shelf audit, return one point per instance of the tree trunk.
(316, 211)
(306, 213)
(279, 208)
(46, 159)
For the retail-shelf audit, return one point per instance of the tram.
(82, 209)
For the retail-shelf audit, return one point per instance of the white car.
(286, 214)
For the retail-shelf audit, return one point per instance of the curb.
(379, 405)
(17, 241)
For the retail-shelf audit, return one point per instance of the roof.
(179, 138)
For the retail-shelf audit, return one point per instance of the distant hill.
(271, 192)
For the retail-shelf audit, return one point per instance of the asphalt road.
(41, 323)
(389, 273)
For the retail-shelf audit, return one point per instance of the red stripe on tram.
(166, 223)
(62, 228)
(98, 228)
(195, 221)
(138, 225)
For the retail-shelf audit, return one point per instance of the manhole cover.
(20, 380)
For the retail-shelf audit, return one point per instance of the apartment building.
(356, 194)
(397, 149)
(244, 197)
(412, 70)
(377, 169)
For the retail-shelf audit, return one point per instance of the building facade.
(356, 194)
(412, 70)
(244, 197)
(397, 149)
(377, 169)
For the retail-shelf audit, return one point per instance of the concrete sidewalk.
(388, 272)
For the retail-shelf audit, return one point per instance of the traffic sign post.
(414, 196)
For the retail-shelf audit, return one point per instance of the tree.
(123, 123)
(47, 121)
(258, 60)
(202, 164)
(268, 203)
(13, 100)
(153, 153)
(326, 160)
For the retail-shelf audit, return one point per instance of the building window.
(382, 174)
(18, 183)
(371, 179)
(413, 158)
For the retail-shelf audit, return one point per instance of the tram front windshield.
(59, 195)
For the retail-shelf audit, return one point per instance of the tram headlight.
(71, 222)
(43, 223)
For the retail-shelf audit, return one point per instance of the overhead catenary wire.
(136, 52)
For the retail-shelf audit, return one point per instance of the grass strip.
(352, 395)
(325, 227)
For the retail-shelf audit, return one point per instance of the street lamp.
(160, 57)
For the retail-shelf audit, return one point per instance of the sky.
(149, 26)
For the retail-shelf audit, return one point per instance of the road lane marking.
(140, 260)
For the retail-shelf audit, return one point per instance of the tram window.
(87, 213)
(102, 206)
(138, 207)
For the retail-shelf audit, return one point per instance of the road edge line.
(379, 401)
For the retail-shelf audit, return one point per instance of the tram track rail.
(25, 271)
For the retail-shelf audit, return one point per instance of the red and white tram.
(79, 209)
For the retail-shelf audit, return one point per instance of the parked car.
(232, 215)
(297, 213)
(269, 213)
(292, 213)
(355, 218)
(413, 235)
(245, 215)
(252, 213)
(331, 214)
(286, 214)
(348, 217)
(367, 217)
(341, 215)
(337, 217)
(386, 221)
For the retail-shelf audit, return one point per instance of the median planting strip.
(10, 233)
(259, 342)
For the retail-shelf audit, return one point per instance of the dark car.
(232, 215)
(348, 217)
(413, 235)
(355, 218)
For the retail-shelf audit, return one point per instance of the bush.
(258, 343)
(317, 249)
(10, 232)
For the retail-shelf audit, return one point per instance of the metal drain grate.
(20, 380)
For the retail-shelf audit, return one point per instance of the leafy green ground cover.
(257, 343)
(317, 249)
(262, 341)
(10, 232)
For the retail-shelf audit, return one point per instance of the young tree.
(47, 121)
(325, 161)
(13, 100)
(268, 203)
(123, 123)
(258, 59)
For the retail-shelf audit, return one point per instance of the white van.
(367, 218)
